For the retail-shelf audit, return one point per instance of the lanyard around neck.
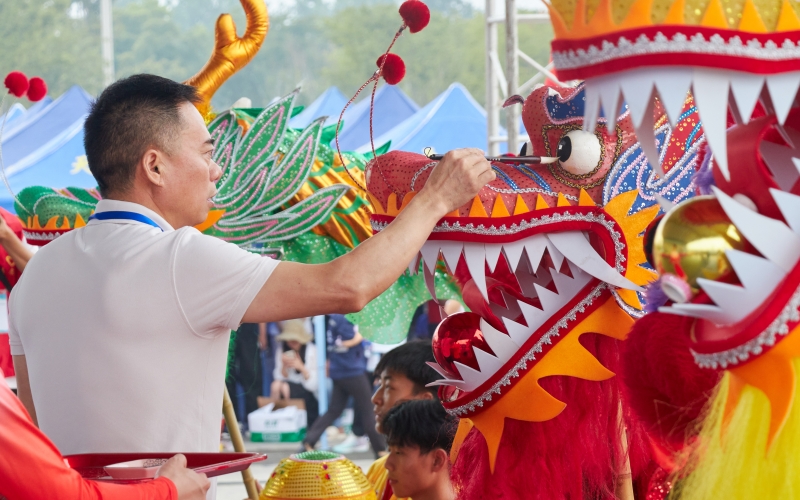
(119, 214)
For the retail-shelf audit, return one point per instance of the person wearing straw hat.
(295, 374)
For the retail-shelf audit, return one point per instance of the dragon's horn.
(231, 53)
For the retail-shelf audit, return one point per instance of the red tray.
(90, 465)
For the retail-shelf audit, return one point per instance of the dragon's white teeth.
(413, 266)
(591, 109)
(581, 253)
(493, 255)
(430, 283)
(569, 287)
(782, 90)
(475, 256)
(447, 381)
(534, 317)
(488, 364)
(518, 333)
(534, 249)
(711, 97)
(672, 89)
(472, 378)
(527, 278)
(430, 254)
(555, 255)
(703, 311)
(500, 343)
(513, 252)
(789, 205)
(772, 238)
(780, 161)
(733, 300)
(551, 302)
(746, 88)
(509, 310)
(440, 370)
(637, 86)
(451, 251)
(755, 273)
(608, 89)
(647, 138)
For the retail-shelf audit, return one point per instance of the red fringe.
(574, 456)
(661, 383)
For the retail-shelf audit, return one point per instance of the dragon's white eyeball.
(579, 152)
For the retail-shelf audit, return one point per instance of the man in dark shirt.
(347, 368)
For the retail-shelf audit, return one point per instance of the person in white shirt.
(119, 330)
(295, 375)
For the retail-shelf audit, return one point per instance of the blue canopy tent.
(453, 120)
(392, 106)
(329, 104)
(37, 134)
(64, 166)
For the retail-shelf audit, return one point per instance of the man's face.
(393, 389)
(189, 173)
(410, 471)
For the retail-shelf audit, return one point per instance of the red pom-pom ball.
(37, 89)
(394, 69)
(16, 83)
(415, 14)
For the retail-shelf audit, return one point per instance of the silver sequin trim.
(679, 43)
(768, 338)
(502, 230)
(532, 190)
(522, 364)
(419, 172)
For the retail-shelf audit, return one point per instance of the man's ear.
(441, 460)
(425, 395)
(151, 166)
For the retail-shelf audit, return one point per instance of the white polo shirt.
(125, 329)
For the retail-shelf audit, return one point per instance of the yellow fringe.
(732, 461)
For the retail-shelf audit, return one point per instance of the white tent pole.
(107, 41)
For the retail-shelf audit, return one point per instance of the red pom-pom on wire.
(17, 83)
(415, 14)
(37, 89)
(394, 69)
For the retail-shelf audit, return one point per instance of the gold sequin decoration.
(332, 479)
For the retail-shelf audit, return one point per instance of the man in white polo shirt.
(119, 330)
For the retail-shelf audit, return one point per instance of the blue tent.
(329, 104)
(392, 106)
(39, 133)
(62, 167)
(453, 120)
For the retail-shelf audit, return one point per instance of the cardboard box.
(281, 403)
(277, 425)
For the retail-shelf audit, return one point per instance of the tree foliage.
(315, 42)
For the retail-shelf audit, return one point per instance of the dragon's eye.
(579, 152)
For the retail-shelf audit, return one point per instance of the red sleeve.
(31, 468)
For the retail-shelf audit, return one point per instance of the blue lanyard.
(126, 216)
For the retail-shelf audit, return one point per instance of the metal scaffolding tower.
(107, 41)
(500, 83)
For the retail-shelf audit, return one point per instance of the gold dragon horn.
(231, 53)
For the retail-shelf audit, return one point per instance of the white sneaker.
(346, 446)
(362, 445)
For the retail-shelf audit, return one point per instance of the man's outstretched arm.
(348, 283)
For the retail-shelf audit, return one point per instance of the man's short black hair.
(130, 116)
(409, 360)
(423, 423)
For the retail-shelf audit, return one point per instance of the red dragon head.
(544, 254)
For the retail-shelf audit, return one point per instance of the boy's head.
(420, 434)
(403, 375)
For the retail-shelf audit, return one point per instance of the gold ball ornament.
(317, 475)
(691, 241)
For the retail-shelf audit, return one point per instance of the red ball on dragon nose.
(454, 339)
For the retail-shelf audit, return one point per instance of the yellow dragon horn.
(231, 53)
